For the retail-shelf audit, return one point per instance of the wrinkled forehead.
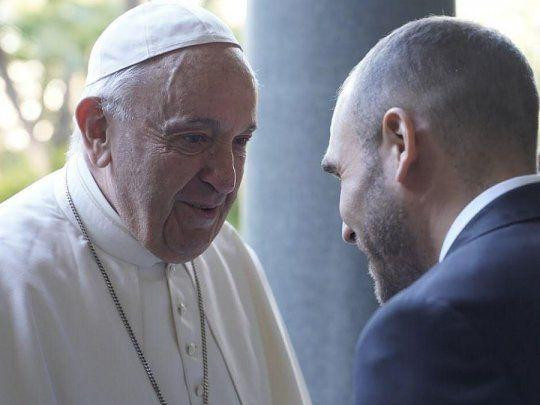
(198, 79)
(208, 68)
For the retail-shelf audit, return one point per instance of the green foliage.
(234, 215)
(62, 33)
(57, 154)
(17, 171)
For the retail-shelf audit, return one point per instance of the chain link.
(126, 323)
(203, 335)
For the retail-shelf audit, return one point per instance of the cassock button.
(192, 349)
(199, 391)
(181, 308)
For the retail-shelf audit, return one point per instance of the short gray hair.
(113, 92)
(473, 84)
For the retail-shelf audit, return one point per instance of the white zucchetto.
(152, 29)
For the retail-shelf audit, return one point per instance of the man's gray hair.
(113, 92)
(472, 83)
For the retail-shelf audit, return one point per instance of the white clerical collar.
(104, 226)
(476, 205)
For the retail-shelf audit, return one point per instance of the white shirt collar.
(104, 226)
(478, 203)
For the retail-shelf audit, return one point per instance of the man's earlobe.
(92, 124)
(399, 137)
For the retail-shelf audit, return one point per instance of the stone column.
(301, 51)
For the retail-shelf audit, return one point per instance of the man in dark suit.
(434, 138)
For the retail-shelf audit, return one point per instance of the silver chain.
(126, 323)
(203, 335)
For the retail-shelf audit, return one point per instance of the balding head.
(472, 84)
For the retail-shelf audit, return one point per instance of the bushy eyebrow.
(182, 123)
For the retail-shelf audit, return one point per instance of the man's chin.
(378, 284)
(390, 280)
(188, 245)
(384, 287)
(185, 252)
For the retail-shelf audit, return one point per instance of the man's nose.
(220, 172)
(348, 234)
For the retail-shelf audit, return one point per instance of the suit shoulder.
(498, 253)
(415, 349)
(498, 267)
(410, 313)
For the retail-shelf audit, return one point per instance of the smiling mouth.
(206, 211)
(203, 207)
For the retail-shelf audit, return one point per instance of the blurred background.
(301, 51)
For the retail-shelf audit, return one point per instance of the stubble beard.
(396, 258)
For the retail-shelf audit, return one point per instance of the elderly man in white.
(120, 283)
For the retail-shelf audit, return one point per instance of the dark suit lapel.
(518, 205)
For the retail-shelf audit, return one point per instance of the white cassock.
(62, 341)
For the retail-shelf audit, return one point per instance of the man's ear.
(93, 126)
(400, 140)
